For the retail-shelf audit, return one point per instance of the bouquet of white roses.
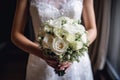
(64, 39)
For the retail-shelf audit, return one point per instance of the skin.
(18, 38)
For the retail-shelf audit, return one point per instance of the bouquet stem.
(60, 72)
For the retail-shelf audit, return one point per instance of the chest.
(48, 9)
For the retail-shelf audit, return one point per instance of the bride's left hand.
(64, 65)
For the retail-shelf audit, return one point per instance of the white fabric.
(42, 10)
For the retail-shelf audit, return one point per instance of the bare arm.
(89, 19)
(17, 34)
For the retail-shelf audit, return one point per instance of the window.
(113, 58)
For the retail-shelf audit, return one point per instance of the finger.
(50, 59)
(53, 66)
(52, 62)
(61, 68)
(65, 63)
(65, 66)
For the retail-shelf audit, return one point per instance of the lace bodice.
(56, 8)
(42, 10)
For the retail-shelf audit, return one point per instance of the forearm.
(25, 44)
(89, 20)
(17, 32)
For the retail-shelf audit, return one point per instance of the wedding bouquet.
(64, 39)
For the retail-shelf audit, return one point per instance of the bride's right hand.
(55, 64)
(51, 62)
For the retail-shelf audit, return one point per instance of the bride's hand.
(64, 65)
(51, 62)
(55, 64)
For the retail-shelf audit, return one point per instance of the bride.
(40, 67)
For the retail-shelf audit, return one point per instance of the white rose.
(59, 46)
(47, 28)
(80, 28)
(47, 41)
(55, 23)
(74, 28)
(76, 45)
(69, 28)
(70, 38)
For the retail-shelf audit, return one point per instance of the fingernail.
(59, 65)
(62, 68)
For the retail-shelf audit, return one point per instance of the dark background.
(13, 61)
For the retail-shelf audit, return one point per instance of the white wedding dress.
(42, 10)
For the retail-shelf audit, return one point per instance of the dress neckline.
(58, 4)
